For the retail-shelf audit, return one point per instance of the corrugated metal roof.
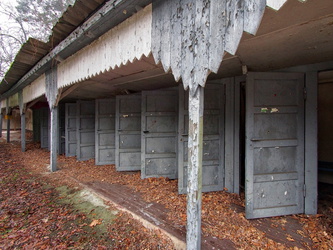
(34, 50)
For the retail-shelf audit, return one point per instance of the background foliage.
(23, 19)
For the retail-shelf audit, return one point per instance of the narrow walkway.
(151, 215)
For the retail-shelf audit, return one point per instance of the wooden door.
(62, 129)
(105, 131)
(70, 129)
(45, 128)
(159, 133)
(274, 144)
(128, 133)
(85, 130)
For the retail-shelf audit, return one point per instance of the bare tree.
(28, 18)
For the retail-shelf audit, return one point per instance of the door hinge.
(304, 93)
(304, 190)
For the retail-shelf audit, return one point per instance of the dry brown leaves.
(222, 213)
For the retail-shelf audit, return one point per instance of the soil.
(223, 217)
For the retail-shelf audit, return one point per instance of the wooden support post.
(23, 132)
(54, 138)
(194, 182)
(22, 113)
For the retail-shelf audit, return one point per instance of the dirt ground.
(37, 212)
(223, 214)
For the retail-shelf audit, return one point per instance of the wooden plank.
(51, 86)
(194, 182)
(229, 134)
(176, 39)
(234, 29)
(188, 43)
(201, 59)
(54, 138)
(23, 132)
(236, 159)
(253, 13)
(311, 143)
(156, 33)
(165, 36)
(217, 31)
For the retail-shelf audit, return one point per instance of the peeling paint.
(194, 184)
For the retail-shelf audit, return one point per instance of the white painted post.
(54, 138)
(194, 183)
(23, 132)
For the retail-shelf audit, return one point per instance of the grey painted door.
(36, 114)
(274, 144)
(45, 128)
(85, 130)
(70, 129)
(159, 133)
(62, 129)
(213, 139)
(128, 133)
(105, 131)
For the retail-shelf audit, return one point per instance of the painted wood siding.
(190, 37)
(34, 90)
(125, 43)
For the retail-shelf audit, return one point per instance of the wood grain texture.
(253, 13)
(218, 16)
(51, 86)
(192, 36)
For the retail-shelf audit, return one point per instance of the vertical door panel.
(159, 133)
(70, 131)
(45, 128)
(213, 139)
(274, 144)
(62, 128)
(105, 131)
(128, 133)
(85, 134)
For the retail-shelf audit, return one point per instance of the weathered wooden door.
(62, 129)
(70, 129)
(105, 131)
(45, 128)
(213, 139)
(85, 130)
(159, 133)
(274, 144)
(128, 133)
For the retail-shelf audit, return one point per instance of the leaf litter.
(223, 214)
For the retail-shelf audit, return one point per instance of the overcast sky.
(2, 17)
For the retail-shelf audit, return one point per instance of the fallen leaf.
(95, 223)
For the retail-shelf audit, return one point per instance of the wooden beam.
(54, 138)
(33, 102)
(109, 9)
(72, 88)
(58, 96)
(194, 181)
